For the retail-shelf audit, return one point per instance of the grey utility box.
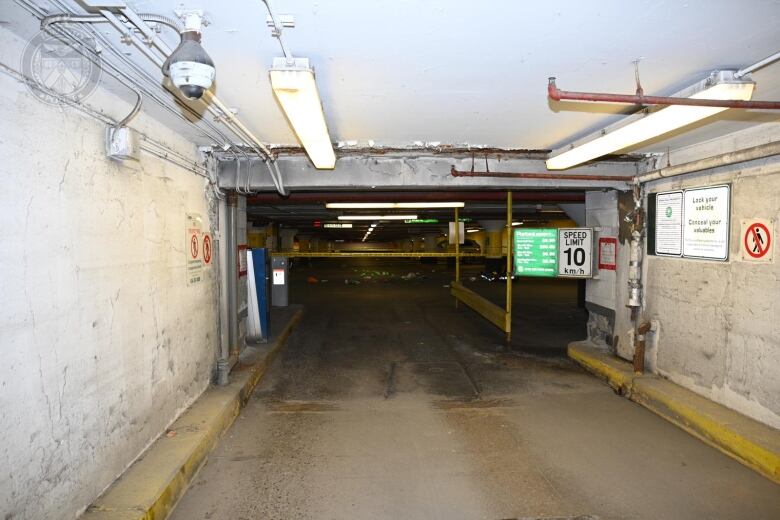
(279, 281)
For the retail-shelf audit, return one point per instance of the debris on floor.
(494, 276)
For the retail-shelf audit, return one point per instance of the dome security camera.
(190, 67)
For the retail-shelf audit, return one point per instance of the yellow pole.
(457, 251)
(457, 246)
(509, 266)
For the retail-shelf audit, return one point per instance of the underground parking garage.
(297, 259)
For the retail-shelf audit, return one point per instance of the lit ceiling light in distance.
(296, 90)
(337, 225)
(657, 122)
(393, 205)
(377, 217)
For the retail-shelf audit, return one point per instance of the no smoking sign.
(757, 241)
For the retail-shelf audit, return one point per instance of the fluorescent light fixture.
(393, 205)
(640, 128)
(472, 230)
(337, 225)
(295, 88)
(517, 223)
(377, 217)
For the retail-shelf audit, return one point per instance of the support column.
(304, 243)
(509, 266)
(494, 234)
(457, 250)
(288, 238)
(430, 242)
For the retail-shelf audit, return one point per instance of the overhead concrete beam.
(576, 212)
(420, 172)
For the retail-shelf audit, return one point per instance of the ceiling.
(475, 73)
(306, 212)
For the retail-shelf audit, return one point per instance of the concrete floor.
(388, 403)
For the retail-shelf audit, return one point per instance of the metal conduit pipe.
(221, 111)
(725, 159)
(636, 99)
(549, 176)
(208, 96)
(143, 75)
(164, 20)
(758, 65)
(133, 112)
(138, 21)
(411, 196)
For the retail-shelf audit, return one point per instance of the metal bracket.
(285, 20)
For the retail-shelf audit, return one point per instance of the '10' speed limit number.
(575, 252)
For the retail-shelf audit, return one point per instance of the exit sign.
(536, 252)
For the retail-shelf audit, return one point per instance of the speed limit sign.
(575, 252)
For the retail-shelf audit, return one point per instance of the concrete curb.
(150, 488)
(742, 438)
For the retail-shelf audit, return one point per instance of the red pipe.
(550, 176)
(411, 196)
(566, 95)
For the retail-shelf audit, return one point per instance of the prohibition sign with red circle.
(207, 248)
(760, 246)
(194, 246)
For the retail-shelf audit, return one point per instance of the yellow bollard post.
(457, 251)
(509, 267)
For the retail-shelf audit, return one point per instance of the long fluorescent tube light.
(297, 93)
(657, 122)
(337, 225)
(393, 205)
(377, 217)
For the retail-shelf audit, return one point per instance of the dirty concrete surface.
(388, 403)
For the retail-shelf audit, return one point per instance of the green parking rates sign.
(536, 251)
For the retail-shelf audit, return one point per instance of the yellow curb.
(750, 442)
(151, 487)
(618, 374)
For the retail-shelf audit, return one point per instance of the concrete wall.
(720, 321)
(103, 341)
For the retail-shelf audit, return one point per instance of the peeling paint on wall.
(104, 343)
(721, 320)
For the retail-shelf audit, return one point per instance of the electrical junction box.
(122, 143)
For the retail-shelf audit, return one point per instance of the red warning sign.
(608, 253)
(207, 249)
(194, 246)
(757, 240)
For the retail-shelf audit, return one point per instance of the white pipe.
(222, 112)
(209, 99)
(748, 154)
(208, 96)
(758, 65)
